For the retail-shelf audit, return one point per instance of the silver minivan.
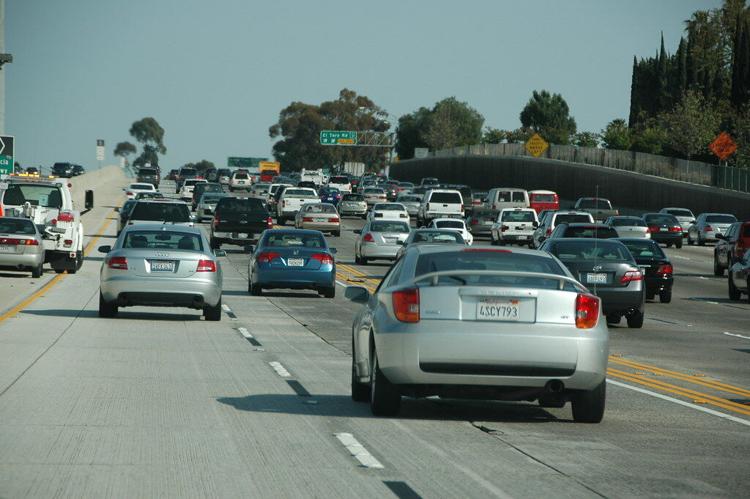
(501, 198)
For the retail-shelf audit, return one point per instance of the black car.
(655, 265)
(588, 230)
(239, 221)
(66, 170)
(77, 170)
(148, 175)
(664, 228)
(607, 268)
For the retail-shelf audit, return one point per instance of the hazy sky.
(215, 74)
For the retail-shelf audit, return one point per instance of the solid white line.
(737, 335)
(680, 402)
(244, 332)
(357, 450)
(702, 277)
(280, 370)
(713, 302)
(341, 283)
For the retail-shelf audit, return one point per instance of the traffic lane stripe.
(358, 451)
(736, 335)
(280, 369)
(697, 397)
(57, 278)
(717, 385)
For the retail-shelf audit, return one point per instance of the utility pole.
(4, 59)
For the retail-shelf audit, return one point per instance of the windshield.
(188, 172)
(594, 204)
(161, 212)
(338, 180)
(656, 219)
(300, 192)
(353, 197)
(320, 208)
(644, 249)
(388, 207)
(569, 219)
(162, 240)
(543, 198)
(437, 237)
(445, 197)
(241, 176)
(400, 227)
(36, 195)
(598, 231)
(721, 219)
(141, 187)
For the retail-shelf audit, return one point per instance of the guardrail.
(696, 172)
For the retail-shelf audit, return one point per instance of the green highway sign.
(238, 162)
(338, 138)
(7, 146)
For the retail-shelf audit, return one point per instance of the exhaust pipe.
(554, 386)
(553, 395)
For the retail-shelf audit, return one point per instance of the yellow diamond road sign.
(536, 145)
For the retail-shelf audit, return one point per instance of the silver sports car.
(462, 322)
(162, 266)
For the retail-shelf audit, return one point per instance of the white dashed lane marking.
(357, 450)
(280, 369)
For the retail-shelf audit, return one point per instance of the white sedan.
(389, 211)
(453, 224)
(133, 190)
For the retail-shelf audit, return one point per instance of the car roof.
(447, 219)
(589, 240)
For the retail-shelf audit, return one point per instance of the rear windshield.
(628, 222)
(210, 187)
(449, 224)
(400, 227)
(438, 237)
(37, 195)
(339, 180)
(194, 181)
(591, 231)
(543, 198)
(320, 208)
(161, 212)
(389, 207)
(353, 197)
(299, 192)
(593, 250)
(721, 219)
(680, 213)
(293, 240)
(571, 219)
(146, 187)
(149, 195)
(661, 220)
(596, 204)
(409, 199)
(146, 171)
(518, 216)
(445, 197)
(211, 198)
(237, 205)
(511, 196)
(644, 249)
(374, 190)
(490, 260)
(224, 171)
(241, 176)
(187, 172)
(162, 240)
(17, 226)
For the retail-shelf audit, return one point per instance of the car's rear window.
(594, 204)
(146, 171)
(320, 208)
(628, 222)
(438, 237)
(406, 184)
(293, 240)
(400, 227)
(590, 231)
(389, 207)
(644, 249)
(16, 226)
(239, 205)
(161, 212)
(211, 198)
(145, 187)
(661, 219)
(721, 219)
(445, 197)
(162, 240)
(543, 198)
(590, 250)
(339, 180)
(241, 176)
(206, 187)
(518, 216)
(299, 192)
(680, 213)
(353, 197)
(408, 199)
(449, 224)
(374, 190)
(571, 219)
(187, 172)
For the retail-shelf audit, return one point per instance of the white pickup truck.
(49, 203)
(292, 200)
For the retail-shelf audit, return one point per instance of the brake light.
(269, 222)
(631, 275)
(587, 311)
(19, 242)
(118, 262)
(334, 220)
(676, 228)
(474, 221)
(653, 228)
(268, 256)
(65, 216)
(549, 231)
(216, 220)
(664, 269)
(368, 238)
(68, 242)
(206, 266)
(307, 219)
(707, 228)
(128, 193)
(323, 258)
(406, 305)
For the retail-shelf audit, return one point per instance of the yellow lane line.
(696, 397)
(31, 299)
(716, 385)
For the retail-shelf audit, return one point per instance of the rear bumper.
(622, 300)
(295, 279)
(378, 251)
(10, 261)
(323, 226)
(656, 284)
(161, 292)
(671, 237)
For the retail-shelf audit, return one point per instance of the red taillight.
(323, 258)
(653, 228)
(587, 311)
(216, 220)
(676, 228)
(549, 231)
(128, 193)
(664, 269)
(118, 262)
(368, 238)
(269, 223)
(268, 256)
(307, 219)
(18, 242)
(474, 221)
(631, 275)
(65, 216)
(406, 305)
(68, 242)
(707, 228)
(334, 220)
(206, 266)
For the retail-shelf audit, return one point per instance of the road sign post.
(7, 154)
(338, 138)
(100, 151)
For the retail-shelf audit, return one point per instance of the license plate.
(321, 219)
(499, 310)
(295, 262)
(162, 266)
(663, 229)
(242, 235)
(596, 278)
(7, 249)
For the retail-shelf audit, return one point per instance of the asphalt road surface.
(159, 403)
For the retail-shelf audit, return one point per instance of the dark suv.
(149, 176)
(66, 170)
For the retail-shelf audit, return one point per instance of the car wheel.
(588, 406)
(678, 244)
(669, 245)
(254, 289)
(613, 319)
(635, 320)
(734, 293)
(215, 244)
(72, 264)
(718, 270)
(665, 296)
(212, 313)
(385, 400)
(37, 271)
(329, 292)
(281, 220)
(689, 240)
(106, 309)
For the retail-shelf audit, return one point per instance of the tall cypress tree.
(635, 105)
(680, 82)
(741, 64)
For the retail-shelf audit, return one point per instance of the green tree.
(147, 156)
(201, 165)
(409, 133)
(649, 137)
(493, 136)
(691, 125)
(616, 135)
(740, 132)
(124, 149)
(548, 114)
(453, 123)
(519, 135)
(586, 139)
(740, 93)
(150, 134)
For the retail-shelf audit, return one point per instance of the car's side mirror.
(333, 250)
(357, 294)
(535, 224)
(358, 231)
(220, 252)
(104, 249)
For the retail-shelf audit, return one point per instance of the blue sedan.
(330, 195)
(292, 259)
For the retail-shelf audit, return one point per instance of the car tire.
(689, 240)
(665, 296)
(72, 264)
(254, 289)
(385, 400)
(718, 270)
(734, 293)
(678, 244)
(668, 245)
(360, 391)
(212, 313)
(635, 320)
(37, 271)
(106, 309)
(613, 319)
(588, 406)
(329, 292)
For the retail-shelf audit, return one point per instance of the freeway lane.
(159, 402)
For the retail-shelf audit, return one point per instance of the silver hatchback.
(161, 266)
(480, 323)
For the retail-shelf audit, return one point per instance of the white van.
(500, 198)
(440, 203)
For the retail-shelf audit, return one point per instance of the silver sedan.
(380, 240)
(480, 323)
(21, 246)
(161, 266)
